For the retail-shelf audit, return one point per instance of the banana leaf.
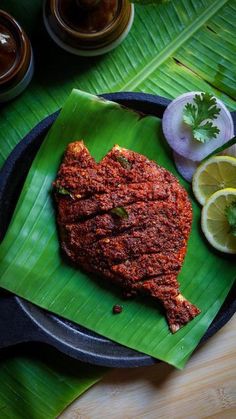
(172, 48)
(39, 387)
(31, 265)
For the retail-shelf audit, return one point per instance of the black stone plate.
(21, 321)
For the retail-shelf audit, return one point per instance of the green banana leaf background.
(41, 386)
(179, 46)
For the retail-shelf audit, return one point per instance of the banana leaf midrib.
(169, 50)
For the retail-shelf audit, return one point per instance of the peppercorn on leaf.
(31, 265)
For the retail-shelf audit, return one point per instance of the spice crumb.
(128, 294)
(117, 309)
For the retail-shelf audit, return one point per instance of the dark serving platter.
(21, 321)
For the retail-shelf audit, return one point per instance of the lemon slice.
(215, 224)
(218, 172)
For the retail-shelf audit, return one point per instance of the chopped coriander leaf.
(63, 191)
(230, 213)
(208, 130)
(120, 212)
(124, 162)
(198, 114)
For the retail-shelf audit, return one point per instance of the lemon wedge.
(215, 223)
(218, 172)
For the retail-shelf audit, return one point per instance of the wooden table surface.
(206, 388)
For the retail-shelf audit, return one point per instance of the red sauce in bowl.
(8, 51)
(16, 59)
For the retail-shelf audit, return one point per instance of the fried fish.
(127, 220)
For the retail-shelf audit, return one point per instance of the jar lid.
(88, 31)
(15, 51)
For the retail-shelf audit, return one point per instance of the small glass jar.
(88, 30)
(16, 58)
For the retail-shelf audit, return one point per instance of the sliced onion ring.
(179, 135)
(185, 167)
(231, 151)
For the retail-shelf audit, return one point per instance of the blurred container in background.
(16, 58)
(88, 27)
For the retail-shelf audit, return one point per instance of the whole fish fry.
(127, 220)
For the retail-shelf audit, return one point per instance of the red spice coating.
(142, 252)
